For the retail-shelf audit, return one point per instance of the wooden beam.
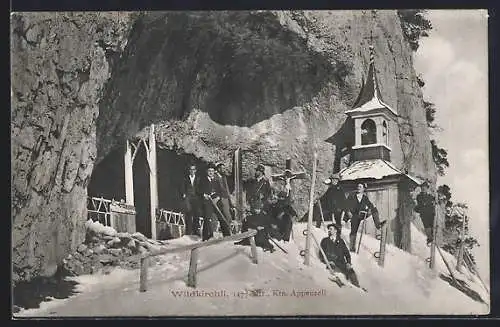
(193, 267)
(237, 185)
(210, 242)
(136, 149)
(129, 175)
(307, 259)
(153, 181)
(447, 265)
(144, 275)
(432, 262)
(321, 214)
(144, 261)
(254, 249)
(383, 239)
(460, 254)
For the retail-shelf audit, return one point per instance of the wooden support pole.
(447, 265)
(144, 274)
(237, 185)
(193, 267)
(194, 248)
(153, 182)
(321, 214)
(254, 249)
(129, 175)
(363, 231)
(432, 262)
(383, 238)
(307, 259)
(460, 254)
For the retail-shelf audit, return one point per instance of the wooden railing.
(98, 209)
(193, 263)
(174, 220)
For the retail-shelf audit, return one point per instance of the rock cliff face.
(60, 62)
(275, 84)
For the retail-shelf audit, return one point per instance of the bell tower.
(373, 120)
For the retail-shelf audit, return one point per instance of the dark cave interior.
(108, 181)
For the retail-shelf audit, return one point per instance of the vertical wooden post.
(363, 231)
(460, 255)
(432, 263)
(237, 185)
(129, 175)
(383, 238)
(254, 249)
(193, 266)
(321, 214)
(310, 215)
(153, 182)
(144, 274)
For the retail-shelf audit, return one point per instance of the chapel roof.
(373, 169)
(370, 97)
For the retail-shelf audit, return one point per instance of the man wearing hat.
(260, 190)
(427, 210)
(358, 208)
(261, 222)
(224, 196)
(333, 202)
(282, 215)
(211, 191)
(337, 254)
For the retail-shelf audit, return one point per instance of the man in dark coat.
(282, 214)
(210, 190)
(337, 254)
(358, 207)
(191, 200)
(427, 210)
(259, 191)
(261, 222)
(333, 202)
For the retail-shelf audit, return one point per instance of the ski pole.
(362, 231)
(275, 243)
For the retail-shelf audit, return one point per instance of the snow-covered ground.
(280, 284)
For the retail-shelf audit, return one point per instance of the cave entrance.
(125, 175)
(171, 169)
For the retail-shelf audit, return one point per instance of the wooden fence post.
(153, 179)
(129, 174)
(144, 274)
(383, 237)
(193, 265)
(460, 254)
(311, 209)
(432, 262)
(254, 249)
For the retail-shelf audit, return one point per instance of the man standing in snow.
(260, 190)
(211, 191)
(337, 254)
(190, 196)
(333, 201)
(358, 207)
(427, 210)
